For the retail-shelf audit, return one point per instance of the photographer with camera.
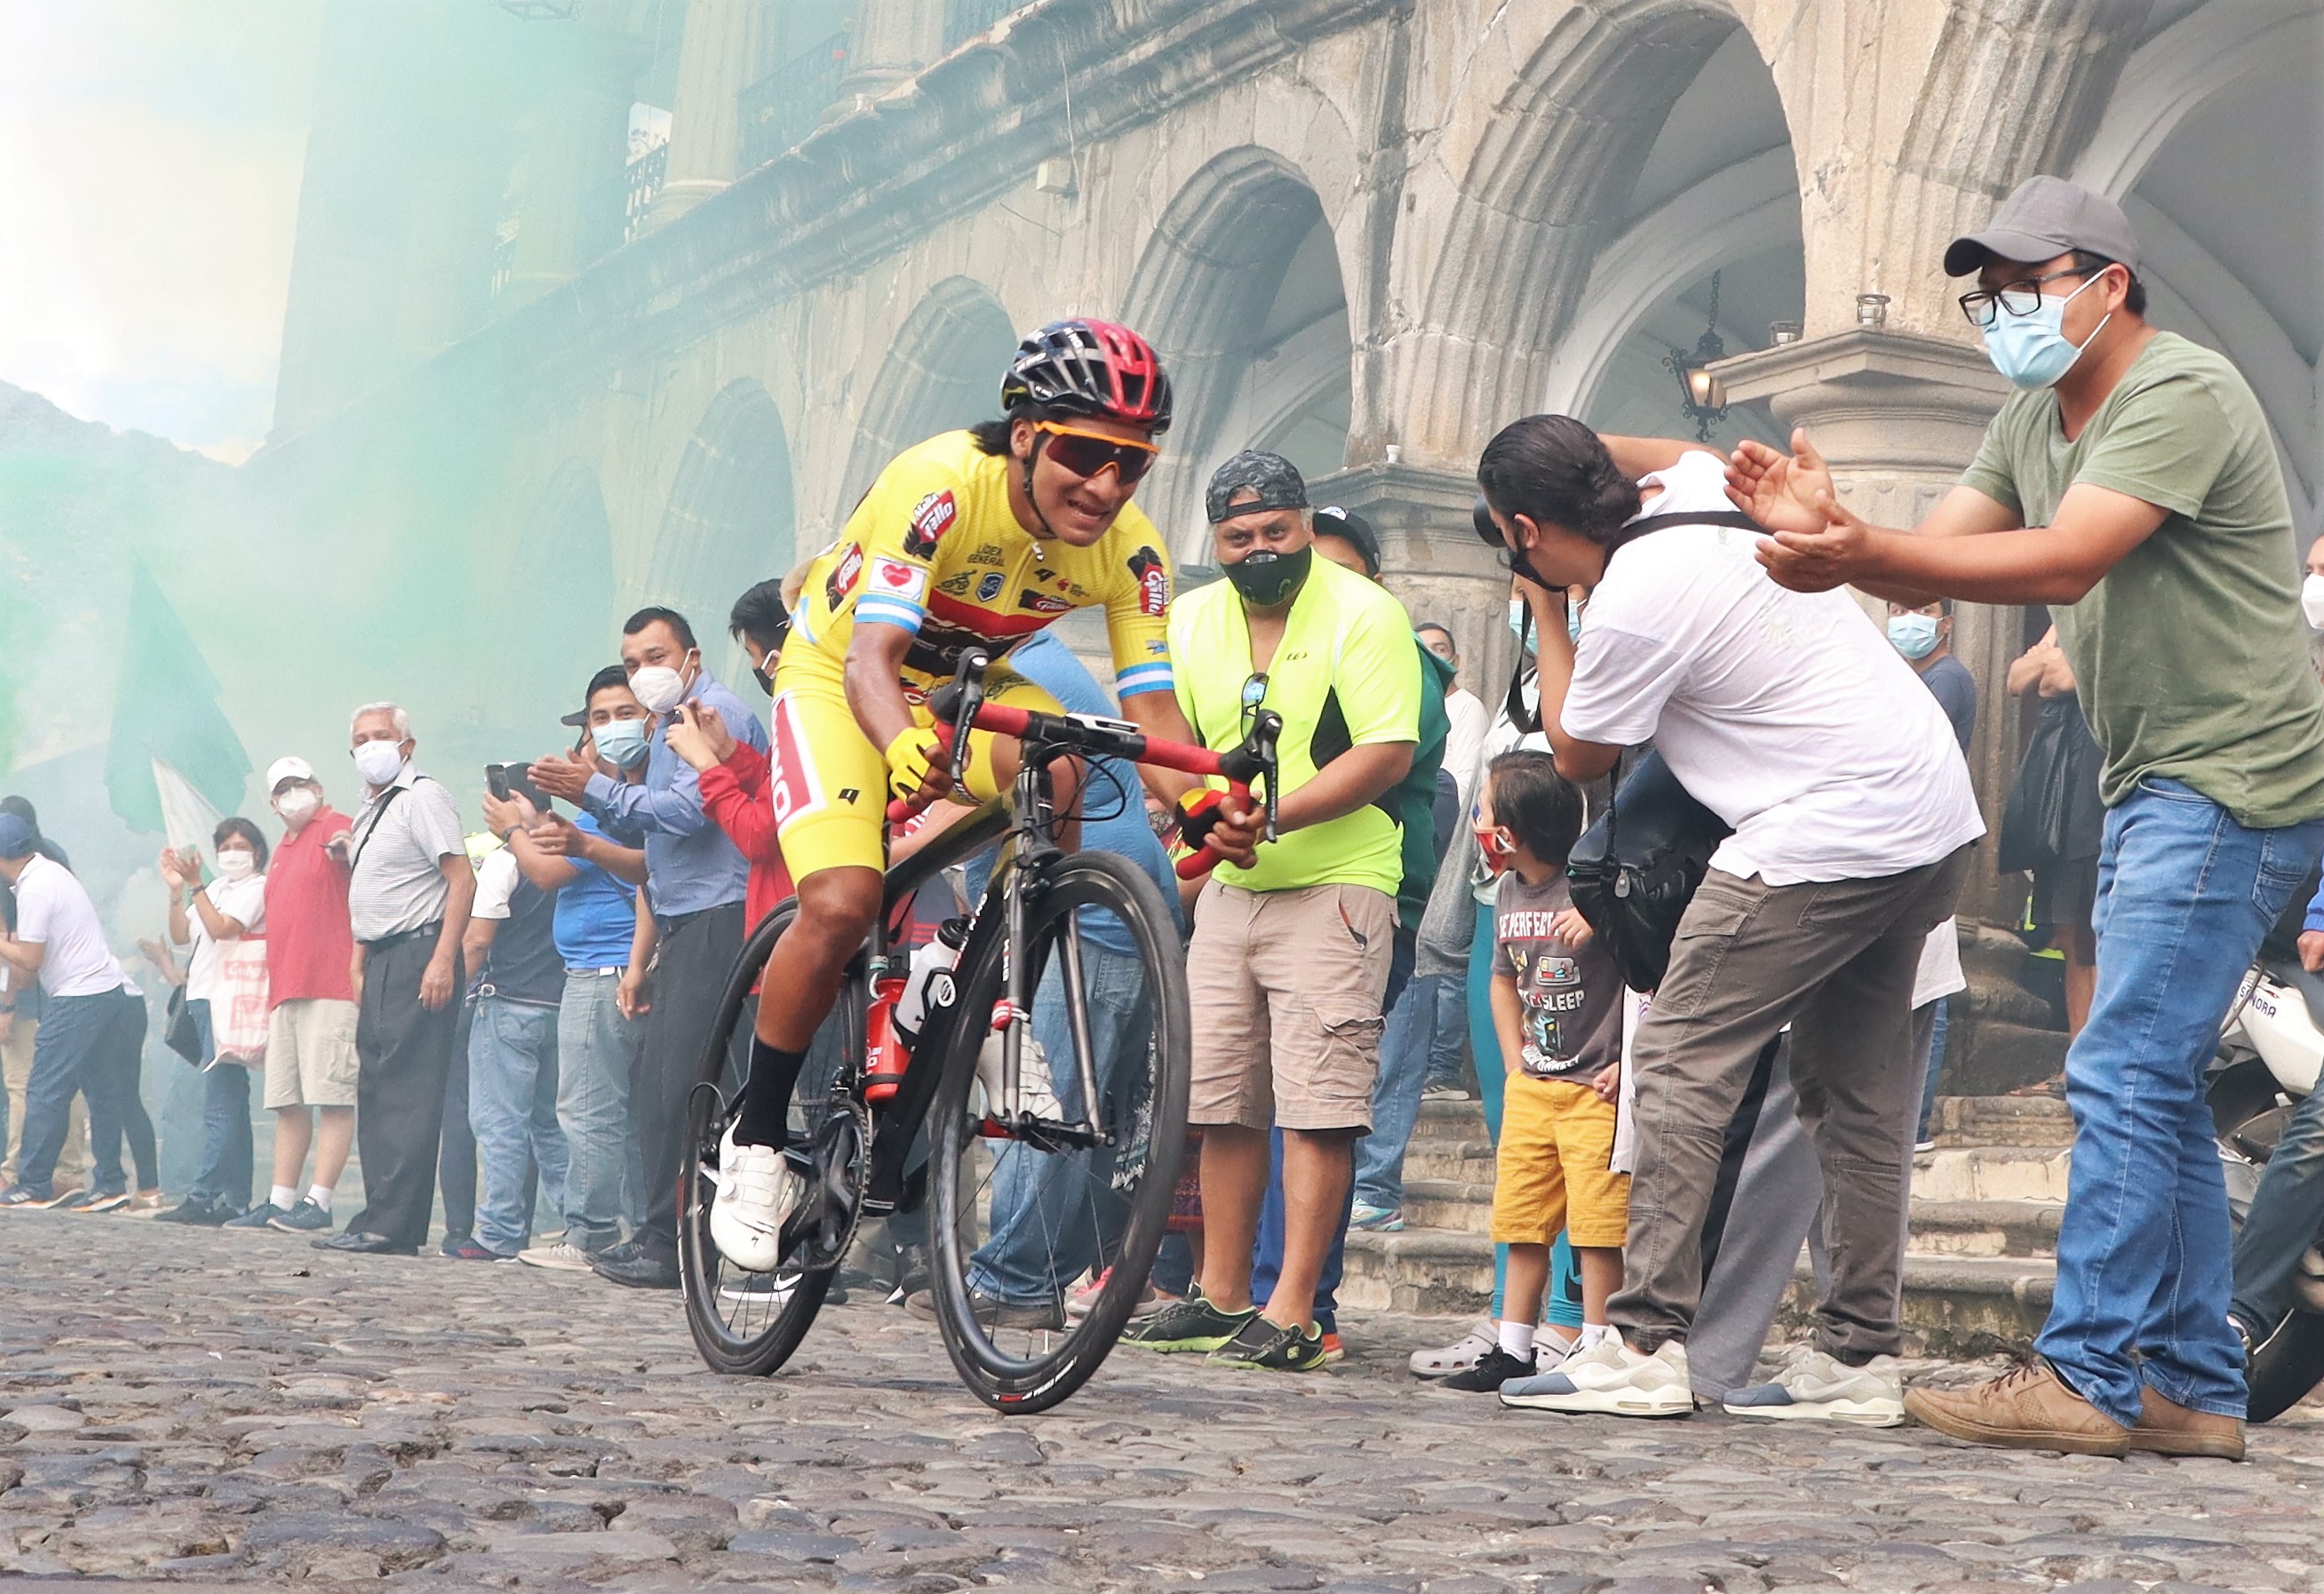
(1792, 719)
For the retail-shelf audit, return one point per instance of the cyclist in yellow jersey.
(973, 539)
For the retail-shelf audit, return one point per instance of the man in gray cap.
(2131, 484)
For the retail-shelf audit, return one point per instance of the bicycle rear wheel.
(1024, 1213)
(744, 1322)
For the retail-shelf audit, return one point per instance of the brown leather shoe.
(2029, 1408)
(2169, 1429)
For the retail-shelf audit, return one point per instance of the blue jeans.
(513, 1108)
(87, 1045)
(596, 1049)
(2185, 894)
(1935, 1064)
(1055, 1215)
(2287, 1211)
(1448, 1031)
(225, 1175)
(1405, 1050)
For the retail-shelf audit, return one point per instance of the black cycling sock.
(767, 1095)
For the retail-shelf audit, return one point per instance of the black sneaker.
(1498, 1368)
(257, 1217)
(1271, 1348)
(1191, 1324)
(199, 1211)
(911, 1274)
(306, 1218)
(639, 1268)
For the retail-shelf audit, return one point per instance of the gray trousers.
(1836, 961)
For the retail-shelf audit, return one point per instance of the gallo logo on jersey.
(1041, 602)
(989, 588)
(1153, 581)
(930, 518)
(908, 582)
(842, 576)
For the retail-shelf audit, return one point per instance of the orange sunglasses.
(1087, 454)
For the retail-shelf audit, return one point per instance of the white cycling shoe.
(757, 1191)
(1035, 1094)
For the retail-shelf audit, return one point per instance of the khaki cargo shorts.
(310, 1053)
(1284, 990)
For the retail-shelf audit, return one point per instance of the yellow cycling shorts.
(829, 784)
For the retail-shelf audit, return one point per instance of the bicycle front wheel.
(1051, 1199)
(746, 1323)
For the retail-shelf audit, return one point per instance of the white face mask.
(659, 687)
(238, 864)
(297, 803)
(2312, 600)
(379, 762)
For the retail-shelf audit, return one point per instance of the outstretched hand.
(1777, 490)
(1835, 553)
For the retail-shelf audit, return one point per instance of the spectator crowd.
(504, 1023)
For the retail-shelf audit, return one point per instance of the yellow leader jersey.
(935, 550)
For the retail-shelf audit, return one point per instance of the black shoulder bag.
(1636, 868)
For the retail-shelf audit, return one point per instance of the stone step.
(1991, 1173)
(1958, 1305)
(1462, 1205)
(1985, 1229)
(2002, 1121)
(1457, 1162)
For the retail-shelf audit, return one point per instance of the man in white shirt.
(91, 1024)
(1467, 718)
(1791, 717)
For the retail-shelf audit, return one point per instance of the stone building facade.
(1365, 232)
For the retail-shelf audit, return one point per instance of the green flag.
(166, 707)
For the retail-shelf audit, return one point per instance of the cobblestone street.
(237, 1408)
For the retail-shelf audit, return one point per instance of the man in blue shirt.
(694, 881)
(1050, 1219)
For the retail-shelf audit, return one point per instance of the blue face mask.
(1573, 622)
(1913, 635)
(1518, 619)
(2032, 350)
(622, 742)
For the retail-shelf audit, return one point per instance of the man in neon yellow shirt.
(1290, 955)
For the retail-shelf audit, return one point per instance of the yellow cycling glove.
(911, 756)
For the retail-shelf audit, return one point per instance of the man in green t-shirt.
(2131, 484)
(1290, 955)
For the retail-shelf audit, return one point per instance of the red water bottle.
(887, 1055)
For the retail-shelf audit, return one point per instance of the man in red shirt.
(310, 1033)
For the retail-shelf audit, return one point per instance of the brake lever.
(969, 682)
(1265, 734)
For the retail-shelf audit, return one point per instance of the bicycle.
(1070, 1138)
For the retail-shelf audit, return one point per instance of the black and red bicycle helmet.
(1093, 368)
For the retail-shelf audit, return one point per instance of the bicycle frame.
(1030, 822)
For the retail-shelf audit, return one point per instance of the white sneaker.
(1458, 1357)
(757, 1189)
(1820, 1387)
(764, 1289)
(561, 1254)
(1611, 1378)
(1034, 1092)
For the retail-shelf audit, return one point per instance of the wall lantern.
(1702, 397)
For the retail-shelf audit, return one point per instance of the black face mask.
(1480, 516)
(1266, 579)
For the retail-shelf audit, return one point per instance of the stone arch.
(2229, 87)
(555, 600)
(1548, 185)
(1242, 290)
(942, 371)
(731, 519)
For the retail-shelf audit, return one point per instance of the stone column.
(714, 62)
(891, 40)
(570, 206)
(1898, 417)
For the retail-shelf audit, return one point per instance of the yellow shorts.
(829, 784)
(1552, 1167)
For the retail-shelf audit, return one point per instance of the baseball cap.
(288, 768)
(612, 674)
(17, 837)
(1274, 479)
(1332, 521)
(2045, 217)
